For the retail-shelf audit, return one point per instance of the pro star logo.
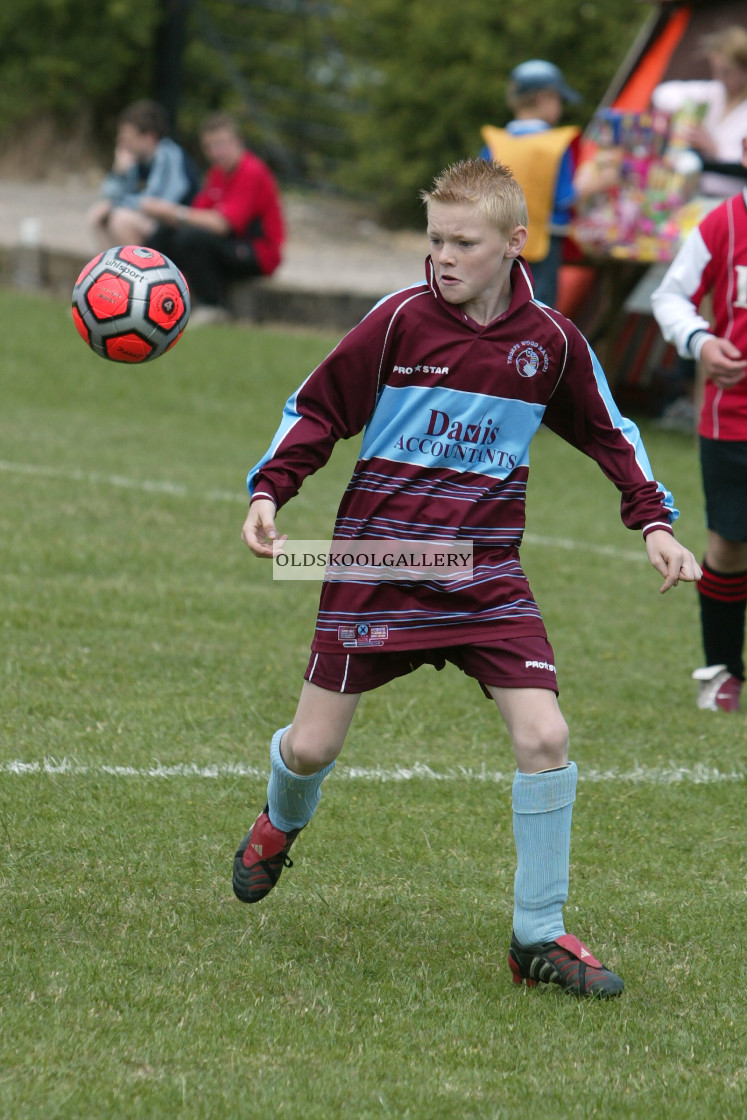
(529, 358)
(428, 370)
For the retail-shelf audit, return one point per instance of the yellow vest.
(534, 158)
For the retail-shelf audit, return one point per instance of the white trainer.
(719, 690)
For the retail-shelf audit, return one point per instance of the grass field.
(147, 658)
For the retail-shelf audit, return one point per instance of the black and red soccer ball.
(130, 304)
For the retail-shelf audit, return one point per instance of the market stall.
(624, 234)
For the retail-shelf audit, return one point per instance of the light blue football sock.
(292, 798)
(543, 808)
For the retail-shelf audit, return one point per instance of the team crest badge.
(527, 362)
(529, 358)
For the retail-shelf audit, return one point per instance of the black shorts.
(523, 662)
(723, 464)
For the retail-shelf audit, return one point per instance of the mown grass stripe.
(640, 775)
(177, 490)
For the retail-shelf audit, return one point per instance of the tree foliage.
(69, 64)
(436, 72)
(371, 98)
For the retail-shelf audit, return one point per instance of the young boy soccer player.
(450, 379)
(713, 259)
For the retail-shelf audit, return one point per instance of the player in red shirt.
(451, 378)
(713, 260)
(234, 226)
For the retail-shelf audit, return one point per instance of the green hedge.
(371, 98)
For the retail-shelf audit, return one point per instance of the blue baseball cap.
(539, 74)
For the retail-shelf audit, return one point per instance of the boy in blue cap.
(542, 156)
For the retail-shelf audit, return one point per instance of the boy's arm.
(120, 185)
(675, 304)
(335, 402)
(583, 412)
(676, 300)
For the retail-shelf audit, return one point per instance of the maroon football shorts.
(524, 662)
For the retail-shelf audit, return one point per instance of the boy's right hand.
(124, 159)
(259, 531)
(723, 362)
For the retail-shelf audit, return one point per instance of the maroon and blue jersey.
(448, 409)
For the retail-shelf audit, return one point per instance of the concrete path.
(332, 246)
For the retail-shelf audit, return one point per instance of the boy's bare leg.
(539, 734)
(319, 727)
(726, 556)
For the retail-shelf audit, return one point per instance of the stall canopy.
(668, 47)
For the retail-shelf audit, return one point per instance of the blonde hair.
(487, 185)
(730, 42)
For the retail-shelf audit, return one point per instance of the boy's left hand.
(671, 559)
(723, 362)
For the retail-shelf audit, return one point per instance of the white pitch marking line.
(699, 774)
(177, 490)
(145, 486)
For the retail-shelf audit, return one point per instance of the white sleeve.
(672, 301)
(671, 96)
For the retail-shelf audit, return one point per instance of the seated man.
(147, 164)
(234, 226)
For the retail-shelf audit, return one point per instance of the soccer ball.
(130, 304)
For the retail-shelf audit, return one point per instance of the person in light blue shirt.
(147, 164)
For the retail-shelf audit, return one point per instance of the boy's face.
(471, 256)
(223, 148)
(549, 106)
(139, 144)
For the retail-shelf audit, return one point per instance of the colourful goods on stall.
(654, 205)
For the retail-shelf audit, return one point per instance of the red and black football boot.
(260, 859)
(566, 962)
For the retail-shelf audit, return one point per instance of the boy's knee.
(305, 752)
(725, 556)
(542, 746)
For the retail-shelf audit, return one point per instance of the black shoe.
(260, 859)
(566, 962)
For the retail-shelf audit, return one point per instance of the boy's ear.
(516, 241)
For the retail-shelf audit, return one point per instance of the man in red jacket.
(450, 379)
(234, 226)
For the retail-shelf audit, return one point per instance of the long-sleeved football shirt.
(448, 409)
